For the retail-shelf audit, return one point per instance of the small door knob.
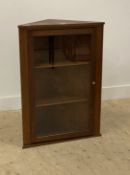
(93, 82)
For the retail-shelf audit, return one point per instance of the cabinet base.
(59, 140)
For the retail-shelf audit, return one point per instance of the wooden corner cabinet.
(61, 67)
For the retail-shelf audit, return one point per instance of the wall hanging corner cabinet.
(61, 66)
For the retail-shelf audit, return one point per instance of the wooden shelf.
(60, 101)
(77, 63)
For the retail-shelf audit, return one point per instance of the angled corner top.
(50, 23)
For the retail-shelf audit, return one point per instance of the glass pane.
(62, 83)
(64, 118)
(54, 50)
(41, 50)
(72, 48)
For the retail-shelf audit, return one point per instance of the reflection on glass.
(62, 49)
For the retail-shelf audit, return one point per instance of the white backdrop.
(116, 64)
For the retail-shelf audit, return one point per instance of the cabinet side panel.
(98, 78)
(24, 68)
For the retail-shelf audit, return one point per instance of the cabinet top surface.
(59, 23)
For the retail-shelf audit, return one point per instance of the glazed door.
(62, 85)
